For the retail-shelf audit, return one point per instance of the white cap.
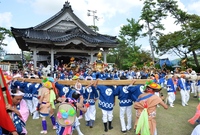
(193, 72)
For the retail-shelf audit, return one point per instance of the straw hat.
(66, 115)
(154, 86)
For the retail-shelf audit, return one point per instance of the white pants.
(76, 122)
(77, 127)
(107, 115)
(91, 113)
(30, 105)
(128, 111)
(171, 97)
(188, 96)
(194, 88)
(184, 97)
(198, 91)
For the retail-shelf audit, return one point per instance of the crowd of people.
(39, 99)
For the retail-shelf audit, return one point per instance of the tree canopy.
(3, 33)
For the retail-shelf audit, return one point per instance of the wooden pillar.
(52, 60)
(91, 57)
(104, 57)
(35, 58)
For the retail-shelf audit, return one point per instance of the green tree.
(128, 51)
(95, 28)
(172, 43)
(191, 31)
(3, 33)
(188, 37)
(152, 16)
(131, 31)
(27, 55)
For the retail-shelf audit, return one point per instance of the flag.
(5, 98)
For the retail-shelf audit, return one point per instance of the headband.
(19, 93)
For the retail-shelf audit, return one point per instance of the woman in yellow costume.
(46, 104)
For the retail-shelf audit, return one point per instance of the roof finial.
(67, 4)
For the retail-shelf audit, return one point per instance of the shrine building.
(63, 34)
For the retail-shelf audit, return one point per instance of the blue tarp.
(165, 61)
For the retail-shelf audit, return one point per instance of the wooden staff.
(4, 88)
(187, 76)
(87, 82)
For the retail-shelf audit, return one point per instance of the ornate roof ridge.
(65, 7)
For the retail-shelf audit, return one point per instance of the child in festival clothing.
(145, 107)
(125, 104)
(106, 103)
(73, 97)
(19, 111)
(28, 96)
(34, 89)
(171, 90)
(183, 90)
(46, 104)
(90, 96)
(155, 78)
(78, 87)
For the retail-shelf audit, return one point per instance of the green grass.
(169, 122)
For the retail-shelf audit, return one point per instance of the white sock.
(78, 130)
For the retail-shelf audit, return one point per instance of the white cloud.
(105, 9)
(181, 5)
(12, 46)
(194, 7)
(170, 26)
(108, 8)
(5, 19)
(47, 7)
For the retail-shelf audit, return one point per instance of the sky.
(112, 15)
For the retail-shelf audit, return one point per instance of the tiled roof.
(61, 28)
(63, 36)
(12, 57)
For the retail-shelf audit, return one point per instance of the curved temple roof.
(60, 30)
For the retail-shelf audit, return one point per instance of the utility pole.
(92, 13)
